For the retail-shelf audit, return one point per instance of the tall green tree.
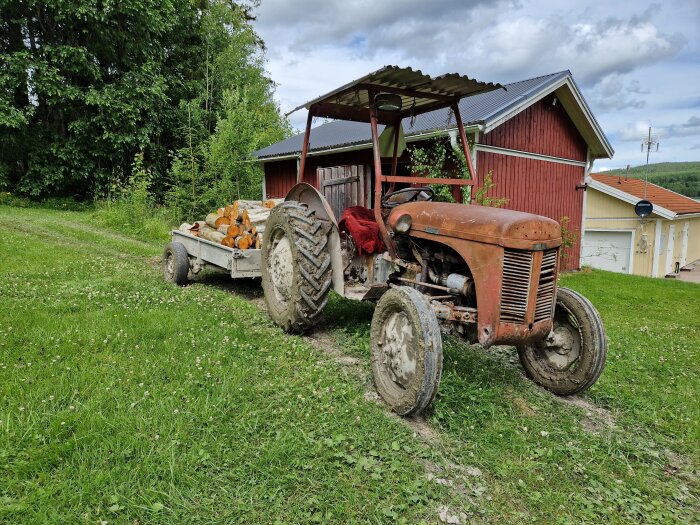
(85, 85)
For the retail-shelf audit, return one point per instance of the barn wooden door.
(345, 186)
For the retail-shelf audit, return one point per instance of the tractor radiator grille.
(546, 286)
(517, 269)
(517, 275)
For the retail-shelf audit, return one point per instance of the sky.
(636, 63)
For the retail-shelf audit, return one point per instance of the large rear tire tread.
(312, 273)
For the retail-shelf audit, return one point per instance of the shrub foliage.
(86, 87)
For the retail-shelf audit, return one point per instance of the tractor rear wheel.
(406, 349)
(296, 266)
(572, 357)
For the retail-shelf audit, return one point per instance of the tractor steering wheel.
(386, 203)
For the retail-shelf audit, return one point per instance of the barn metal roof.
(349, 100)
(483, 111)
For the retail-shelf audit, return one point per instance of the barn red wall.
(537, 186)
(534, 186)
(541, 129)
(280, 176)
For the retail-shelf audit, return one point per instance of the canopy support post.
(465, 147)
(388, 242)
(305, 146)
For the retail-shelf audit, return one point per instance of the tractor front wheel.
(572, 357)
(406, 350)
(296, 266)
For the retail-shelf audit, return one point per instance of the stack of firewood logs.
(239, 225)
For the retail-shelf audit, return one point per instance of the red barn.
(538, 138)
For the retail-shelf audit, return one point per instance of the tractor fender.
(306, 193)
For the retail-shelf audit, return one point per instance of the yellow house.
(616, 239)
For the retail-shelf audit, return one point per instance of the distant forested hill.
(681, 177)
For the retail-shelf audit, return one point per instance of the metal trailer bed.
(204, 253)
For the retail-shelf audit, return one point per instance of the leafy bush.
(51, 203)
(568, 238)
(218, 169)
(132, 208)
(86, 89)
(434, 161)
(440, 159)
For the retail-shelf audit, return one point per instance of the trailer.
(187, 253)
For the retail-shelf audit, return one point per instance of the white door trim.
(657, 249)
(684, 249)
(670, 248)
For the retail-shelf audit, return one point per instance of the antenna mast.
(650, 142)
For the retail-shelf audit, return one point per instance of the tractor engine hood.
(507, 228)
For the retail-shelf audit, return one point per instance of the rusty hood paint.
(507, 228)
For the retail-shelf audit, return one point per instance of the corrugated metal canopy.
(419, 93)
(487, 110)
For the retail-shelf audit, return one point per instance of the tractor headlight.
(403, 224)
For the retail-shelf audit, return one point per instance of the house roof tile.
(658, 196)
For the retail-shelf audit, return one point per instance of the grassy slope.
(543, 465)
(681, 177)
(126, 400)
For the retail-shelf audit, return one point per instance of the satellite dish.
(643, 208)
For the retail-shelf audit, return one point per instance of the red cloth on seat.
(360, 224)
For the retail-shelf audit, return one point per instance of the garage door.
(607, 250)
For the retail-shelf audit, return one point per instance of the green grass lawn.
(127, 401)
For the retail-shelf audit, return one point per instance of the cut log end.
(271, 203)
(243, 243)
(222, 221)
(211, 220)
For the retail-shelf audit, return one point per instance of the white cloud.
(687, 129)
(639, 130)
(613, 94)
(631, 67)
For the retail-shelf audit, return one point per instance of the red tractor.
(487, 274)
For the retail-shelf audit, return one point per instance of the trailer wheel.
(296, 266)
(406, 350)
(573, 356)
(176, 263)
